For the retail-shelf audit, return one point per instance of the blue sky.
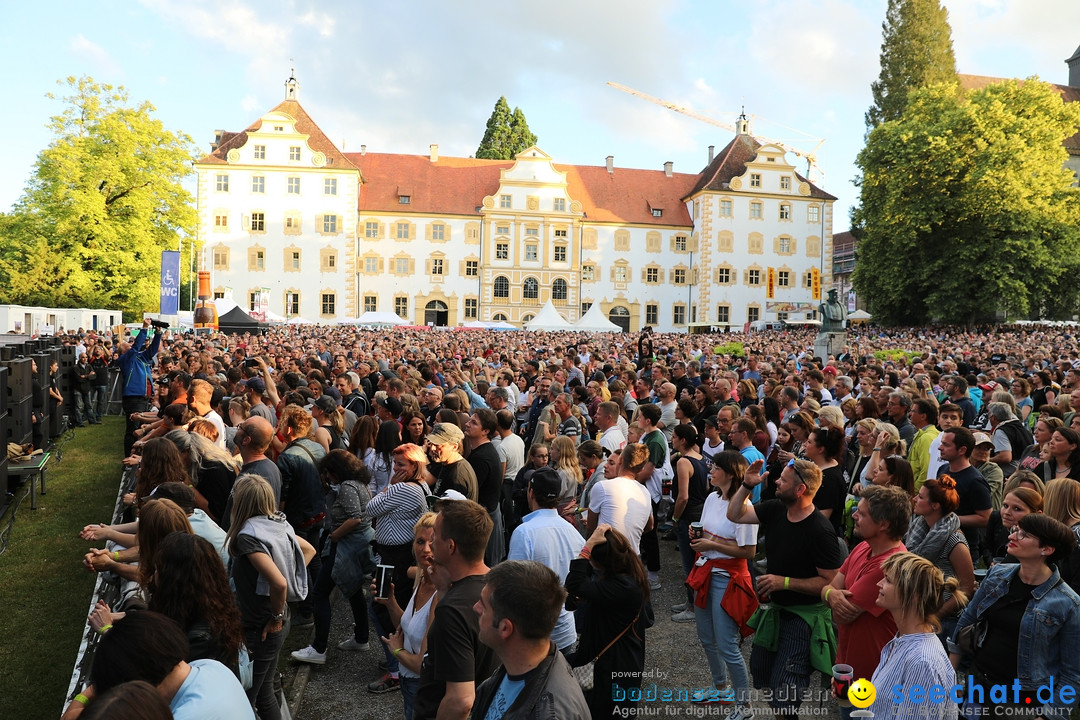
(398, 76)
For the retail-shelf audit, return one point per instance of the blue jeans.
(686, 554)
(99, 400)
(719, 636)
(83, 407)
(380, 632)
(408, 694)
(264, 655)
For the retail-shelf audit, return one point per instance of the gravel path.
(673, 656)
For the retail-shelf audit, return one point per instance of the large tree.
(507, 133)
(965, 209)
(104, 200)
(916, 51)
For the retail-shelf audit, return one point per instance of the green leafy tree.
(104, 200)
(916, 51)
(507, 133)
(965, 209)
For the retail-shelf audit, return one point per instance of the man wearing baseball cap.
(545, 537)
(254, 389)
(450, 470)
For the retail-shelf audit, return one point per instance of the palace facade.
(288, 220)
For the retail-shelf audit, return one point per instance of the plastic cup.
(697, 530)
(841, 683)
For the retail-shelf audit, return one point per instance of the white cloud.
(92, 53)
(229, 23)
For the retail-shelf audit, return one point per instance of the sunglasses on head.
(791, 464)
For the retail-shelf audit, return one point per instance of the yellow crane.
(810, 157)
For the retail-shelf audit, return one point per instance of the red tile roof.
(317, 139)
(731, 162)
(457, 186)
(1067, 92)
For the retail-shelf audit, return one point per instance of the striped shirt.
(395, 510)
(906, 661)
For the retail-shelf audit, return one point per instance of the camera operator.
(137, 384)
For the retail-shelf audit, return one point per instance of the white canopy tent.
(273, 317)
(548, 319)
(594, 321)
(298, 321)
(376, 318)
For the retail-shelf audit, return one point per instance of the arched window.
(531, 289)
(501, 287)
(499, 317)
(436, 313)
(527, 319)
(558, 289)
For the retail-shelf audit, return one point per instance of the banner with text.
(170, 282)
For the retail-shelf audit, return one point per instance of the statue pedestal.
(829, 343)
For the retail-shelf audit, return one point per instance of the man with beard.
(802, 556)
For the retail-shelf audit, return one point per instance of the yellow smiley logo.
(862, 693)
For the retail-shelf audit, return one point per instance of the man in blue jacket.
(137, 383)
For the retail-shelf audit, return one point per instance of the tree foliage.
(507, 133)
(916, 51)
(104, 200)
(965, 208)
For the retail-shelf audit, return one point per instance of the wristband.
(674, 519)
(585, 553)
(116, 556)
(787, 583)
(748, 487)
(877, 449)
(397, 650)
(827, 591)
(104, 629)
(81, 699)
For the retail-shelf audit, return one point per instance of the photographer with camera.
(136, 382)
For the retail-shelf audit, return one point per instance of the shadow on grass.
(44, 589)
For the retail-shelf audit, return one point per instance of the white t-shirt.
(612, 439)
(717, 527)
(213, 417)
(624, 504)
(511, 451)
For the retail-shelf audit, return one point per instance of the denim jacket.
(1049, 632)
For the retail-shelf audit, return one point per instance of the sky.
(398, 76)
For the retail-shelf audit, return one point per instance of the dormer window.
(404, 199)
(657, 212)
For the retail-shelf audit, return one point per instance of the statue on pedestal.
(833, 313)
(833, 335)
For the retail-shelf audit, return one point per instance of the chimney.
(667, 168)
(611, 164)
(363, 150)
(1074, 69)
(712, 149)
(434, 147)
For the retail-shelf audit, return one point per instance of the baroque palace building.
(292, 225)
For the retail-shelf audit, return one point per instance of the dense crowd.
(492, 505)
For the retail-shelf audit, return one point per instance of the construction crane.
(810, 157)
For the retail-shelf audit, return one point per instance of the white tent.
(594, 321)
(488, 325)
(548, 319)
(859, 315)
(273, 317)
(376, 318)
(297, 320)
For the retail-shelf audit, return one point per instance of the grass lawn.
(44, 589)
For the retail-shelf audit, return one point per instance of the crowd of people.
(492, 506)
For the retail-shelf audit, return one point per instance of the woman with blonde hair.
(858, 465)
(1061, 501)
(409, 643)
(886, 442)
(211, 469)
(268, 565)
(564, 460)
(831, 416)
(912, 589)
